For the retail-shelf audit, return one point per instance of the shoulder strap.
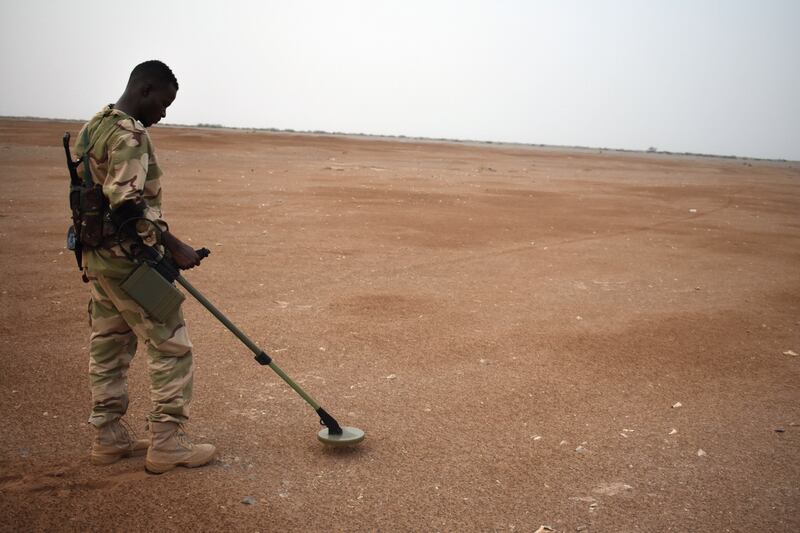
(87, 171)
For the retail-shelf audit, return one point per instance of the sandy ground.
(512, 327)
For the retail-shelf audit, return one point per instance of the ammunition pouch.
(86, 202)
(88, 205)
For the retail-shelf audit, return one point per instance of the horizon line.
(649, 151)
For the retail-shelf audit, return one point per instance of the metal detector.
(143, 290)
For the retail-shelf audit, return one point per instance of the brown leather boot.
(170, 447)
(114, 441)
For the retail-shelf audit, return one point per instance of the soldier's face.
(155, 102)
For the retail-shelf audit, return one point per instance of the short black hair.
(153, 70)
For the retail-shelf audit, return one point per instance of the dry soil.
(587, 340)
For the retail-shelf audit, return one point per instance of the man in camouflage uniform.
(123, 162)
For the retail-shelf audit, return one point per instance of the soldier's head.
(150, 91)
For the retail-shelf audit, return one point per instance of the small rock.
(779, 430)
(790, 352)
(249, 500)
(581, 449)
(674, 431)
(483, 362)
(391, 376)
(581, 528)
(676, 405)
(701, 453)
(543, 529)
(563, 442)
(693, 210)
(612, 489)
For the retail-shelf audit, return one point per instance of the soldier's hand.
(184, 255)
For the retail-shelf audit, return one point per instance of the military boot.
(170, 447)
(116, 440)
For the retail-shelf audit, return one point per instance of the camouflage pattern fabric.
(123, 161)
(116, 321)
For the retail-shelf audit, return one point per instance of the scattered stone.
(543, 529)
(693, 210)
(391, 376)
(676, 405)
(562, 443)
(581, 528)
(612, 489)
(790, 352)
(249, 500)
(587, 499)
(624, 435)
(581, 449)
(537, 437)
(779, 430)
(701, 453)
(483, 361)
(674, 431)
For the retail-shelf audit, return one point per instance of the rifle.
(75, 186)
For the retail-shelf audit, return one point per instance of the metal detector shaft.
(261, 356)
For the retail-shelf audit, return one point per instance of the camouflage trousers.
(117, 322)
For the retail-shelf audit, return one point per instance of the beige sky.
(703, 76)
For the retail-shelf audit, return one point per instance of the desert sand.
(582, 339)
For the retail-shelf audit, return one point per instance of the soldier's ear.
(147, 88)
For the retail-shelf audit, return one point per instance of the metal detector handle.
(203, 253)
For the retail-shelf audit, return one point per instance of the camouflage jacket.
(123, 162)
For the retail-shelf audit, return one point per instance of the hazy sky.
(720, 77)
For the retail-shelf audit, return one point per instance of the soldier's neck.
(127, 106)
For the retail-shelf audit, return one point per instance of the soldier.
(123, 162)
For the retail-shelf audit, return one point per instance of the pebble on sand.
(249, 500)
(676, 405)
(701, 453)
(790, 352)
